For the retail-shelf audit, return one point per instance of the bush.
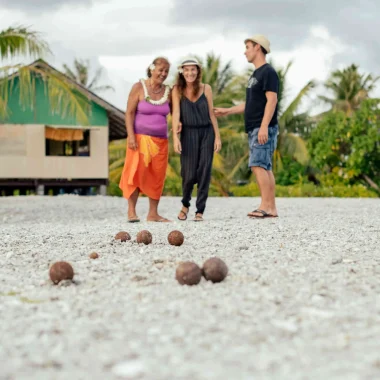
(114, 190)
(173, 187)
(307, 190)
(293, 172)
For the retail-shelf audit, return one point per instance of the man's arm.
(229, 111)
(268, 114)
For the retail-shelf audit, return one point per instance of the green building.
(48, 153)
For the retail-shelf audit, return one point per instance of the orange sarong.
(145, 167)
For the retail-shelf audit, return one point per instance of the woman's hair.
(181, 82)
(156, 62)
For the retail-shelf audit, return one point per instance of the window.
(73, 148)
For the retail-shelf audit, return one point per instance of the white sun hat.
(189, 62)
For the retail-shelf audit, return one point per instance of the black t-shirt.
(263, 79)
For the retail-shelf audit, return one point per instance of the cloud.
(287, 22)
(123, 36)
(40, 5)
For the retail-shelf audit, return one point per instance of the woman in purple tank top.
(147, 150)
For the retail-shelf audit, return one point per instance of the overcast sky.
(123, 36)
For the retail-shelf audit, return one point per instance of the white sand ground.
(301, 301)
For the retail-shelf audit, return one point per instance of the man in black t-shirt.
(260, 114)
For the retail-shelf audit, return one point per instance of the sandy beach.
(301, 299)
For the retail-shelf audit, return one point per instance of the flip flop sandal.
(184, 214)
(133, 220)
(264, 214)
(198, 218)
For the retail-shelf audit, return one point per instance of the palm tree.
(217, 75)
(293, 125)
(20, 41)
(349, 89)
(80, 74)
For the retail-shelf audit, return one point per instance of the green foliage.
(349, 89)
(19, 40)
(293, 172)
(64, 99)
(173, 187)
(113, 190)
(349, 145)
(307, 190)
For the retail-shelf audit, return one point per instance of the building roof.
(116, 117)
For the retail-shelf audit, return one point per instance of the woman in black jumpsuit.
(198, 137)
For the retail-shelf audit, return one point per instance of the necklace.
(159, 102)
(154, 92)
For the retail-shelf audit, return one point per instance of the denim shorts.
(261, 155)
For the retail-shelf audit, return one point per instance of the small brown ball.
(122, 236)
(215, 270)
(61, 270)
(188, 273)
(145, 237)
(176, 238)
(93, 255)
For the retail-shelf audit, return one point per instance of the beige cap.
(261, 40)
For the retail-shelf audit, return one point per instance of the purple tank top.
(150, 119)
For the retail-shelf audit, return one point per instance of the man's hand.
(221, 111)
(177, 145)
(263, 135)
(132, 143)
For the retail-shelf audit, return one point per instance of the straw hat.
(189, 62)
(261, 40)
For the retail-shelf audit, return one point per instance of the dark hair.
(262, 49)
(181, 82)
(156, 61)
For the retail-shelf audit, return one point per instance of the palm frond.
(63, 96)
(290, 112)
(81, 73)
(115, 175)
(20, 40)
(119, 163)
(294, 146)
(69, 72)
(102, 88)
(97, 76)
(238, 166)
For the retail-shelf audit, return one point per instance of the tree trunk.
(371, 183)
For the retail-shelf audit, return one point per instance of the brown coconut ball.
(176, 238)
(61, 270)
(93, 255)
(123, 236)
(188, 273)
(145, 237)
(215, 269)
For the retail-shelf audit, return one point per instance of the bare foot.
(132, 217)
(157, 218)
